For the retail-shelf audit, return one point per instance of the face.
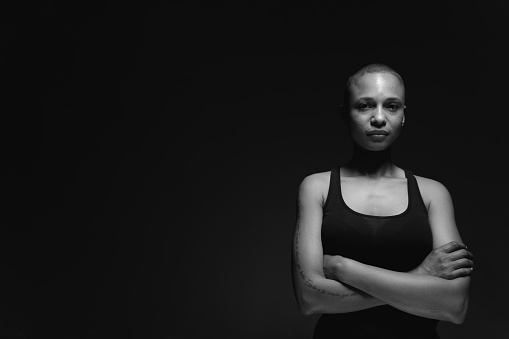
(376, 112)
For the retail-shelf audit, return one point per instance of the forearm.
(317, 294)
(422, 295)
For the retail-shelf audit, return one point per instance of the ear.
(403, 121)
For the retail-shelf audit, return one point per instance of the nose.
(378, 118)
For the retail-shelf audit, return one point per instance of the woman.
(363, 247)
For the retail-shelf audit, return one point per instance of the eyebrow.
(394, 99)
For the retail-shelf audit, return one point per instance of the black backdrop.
(153, 153)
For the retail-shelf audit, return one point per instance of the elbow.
(309, 310)
(306, 305)
(306, 311)
(305, 300)
(458, 321)
(456, 318)
(459, 312)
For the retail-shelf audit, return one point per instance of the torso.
(384, 196)
(375, 221)
(381, 197)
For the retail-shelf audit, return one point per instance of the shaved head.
(371, 68)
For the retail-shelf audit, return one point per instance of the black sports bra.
(398, 243)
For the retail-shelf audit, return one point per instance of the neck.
(373, 164)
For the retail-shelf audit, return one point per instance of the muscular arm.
(314, 292)
(422, 295)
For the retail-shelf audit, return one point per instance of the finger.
(459, 254)
(452, 246)
(463, 263)
(462, 272)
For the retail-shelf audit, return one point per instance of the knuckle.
(461, 273)
(462, 263)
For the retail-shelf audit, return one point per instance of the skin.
(372, 184)
(377, 104)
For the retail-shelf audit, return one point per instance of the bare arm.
(314, 292)
(422, 295)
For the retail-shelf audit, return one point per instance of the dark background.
(153, 154)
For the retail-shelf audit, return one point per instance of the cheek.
(357, 133)
(356, 124)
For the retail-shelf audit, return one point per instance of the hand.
(332, 265)
(449, 261)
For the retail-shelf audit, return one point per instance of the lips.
(378, 132)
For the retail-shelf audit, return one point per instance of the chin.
(375, 147)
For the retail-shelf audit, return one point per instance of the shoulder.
(315, 185)
(432, 190)
(316, 179)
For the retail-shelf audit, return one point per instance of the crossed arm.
(437, 288)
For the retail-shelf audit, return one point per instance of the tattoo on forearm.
(307, 281)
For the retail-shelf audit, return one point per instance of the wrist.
(419, 270)
(342, 267)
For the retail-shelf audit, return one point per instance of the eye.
(364, 106)
(393, 107)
